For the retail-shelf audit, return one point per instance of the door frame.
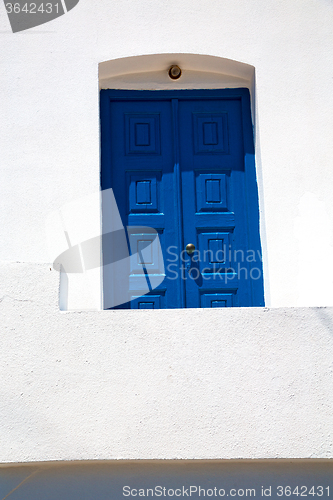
(250, 178)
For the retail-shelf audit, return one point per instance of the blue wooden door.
(181, 162)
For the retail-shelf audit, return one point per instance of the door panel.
(176, 164)
(143, 184)
(214, 215)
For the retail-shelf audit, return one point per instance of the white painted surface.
(50, 118)
(71, 225)
(250, 383)
(224, 383)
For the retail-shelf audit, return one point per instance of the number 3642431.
(32, 8)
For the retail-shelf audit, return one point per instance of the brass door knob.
(190, 248)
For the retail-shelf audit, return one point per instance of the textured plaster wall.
(50, 119)
(241, 383)
(203, 384)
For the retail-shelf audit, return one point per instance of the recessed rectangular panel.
(218, 303)
(146, 302)
(211, 192)
(143, 192)
(146, 254)
(210, 133)
(144, 251)
(217, 300)
(214, 250)
(217, 250)
(142, 134)
(146, 305)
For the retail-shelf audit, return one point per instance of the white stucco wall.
(203, 384)
(50, 119)
(242, 383)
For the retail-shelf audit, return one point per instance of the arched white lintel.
(150, 72)
(160, 63)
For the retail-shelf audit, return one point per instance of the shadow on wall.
(325, 319)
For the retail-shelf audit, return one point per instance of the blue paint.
(182, 162)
